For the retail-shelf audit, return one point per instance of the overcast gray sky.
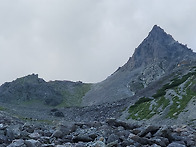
(84, 40)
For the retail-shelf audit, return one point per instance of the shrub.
(142, 100)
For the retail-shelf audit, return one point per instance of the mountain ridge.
(157, 55)
(149, 101)
(157, 45)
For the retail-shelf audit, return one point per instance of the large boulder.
(56, 112)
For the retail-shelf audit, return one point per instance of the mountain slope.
(156, 85)
(174, 102)
(32, 90)
(155, 57)
(29, 88)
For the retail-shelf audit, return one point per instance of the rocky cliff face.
(160, 48)
(155, 57)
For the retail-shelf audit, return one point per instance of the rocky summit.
(158, 55)
(150, 101)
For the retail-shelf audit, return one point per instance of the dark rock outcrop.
(56, 112)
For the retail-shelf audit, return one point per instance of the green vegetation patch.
(145, 108)
(74, 98)
(162, 102)
(141, 111)
(27, 119)
(2, 108)
(142, 100)
(180, 104)
(175, 82)
(31, 102)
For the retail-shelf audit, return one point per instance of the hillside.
(32, 90)
(174, 102)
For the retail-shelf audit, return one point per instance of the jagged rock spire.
(158, 34)
(156, 47)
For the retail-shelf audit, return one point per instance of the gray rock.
(117, 123)
(57, 134)
(34, 135)
(112, 138)
(126, 143)
(65, 145)
(17, 143)
(123, 135)
(48, 133)
(175, 144)
(176, 137)
(13, 132)
(93, 135)
(149, 135)
(2, 126)
(82, 138)
(47, 145)
(160, 141)
(140, 140)
(155, 145)
(67, 128)
(67, 138)
(113, 144)
(56, 112)
(151, 129)
(189, 141)
(165, 132)
(3, 138)
(80, 144)
(28, 127)
(99, 144)
(32, 143)
(24, 134)
(137, 130)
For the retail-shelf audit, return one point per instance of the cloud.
(83, 40)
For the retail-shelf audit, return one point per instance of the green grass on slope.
(145, 108)
(175, 82)
(27, 119)
(2, 108)
(140, 111)
(32, 102)
(74, 98)
(179, 104)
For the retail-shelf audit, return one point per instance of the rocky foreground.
(109, 133)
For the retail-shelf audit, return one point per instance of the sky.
(83, 40)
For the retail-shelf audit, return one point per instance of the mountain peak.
(157, 28)
(159, 35)
(158, 46)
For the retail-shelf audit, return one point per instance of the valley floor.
(89, 126)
